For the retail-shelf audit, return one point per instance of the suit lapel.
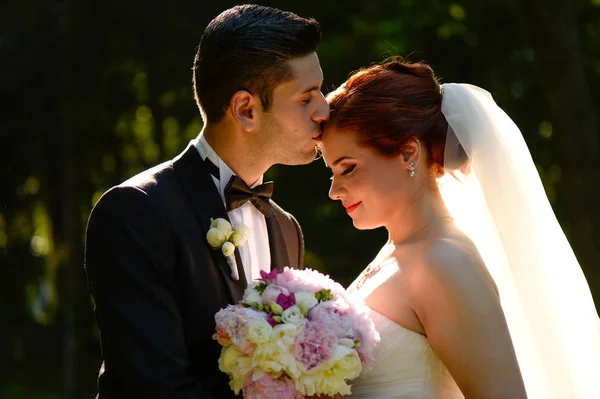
(277, 245)
(207, 204)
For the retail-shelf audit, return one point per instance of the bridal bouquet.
(294, 333)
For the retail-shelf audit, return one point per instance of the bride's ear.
(411, 152)
(244, 107)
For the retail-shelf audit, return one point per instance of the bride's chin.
(363, 225)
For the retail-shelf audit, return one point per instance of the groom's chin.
(305, 158)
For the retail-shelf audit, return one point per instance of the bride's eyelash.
(349, 170)
(345, 172)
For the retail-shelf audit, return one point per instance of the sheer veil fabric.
(498, 200)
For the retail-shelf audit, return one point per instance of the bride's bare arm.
(456, 301)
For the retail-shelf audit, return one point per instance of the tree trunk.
(553, 30)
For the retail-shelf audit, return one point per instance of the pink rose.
(267, 387)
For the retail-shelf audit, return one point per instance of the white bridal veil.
(500, 203)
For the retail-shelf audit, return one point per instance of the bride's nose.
(335, 191)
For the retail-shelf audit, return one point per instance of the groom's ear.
(244, 107)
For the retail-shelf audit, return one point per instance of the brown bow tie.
(237, 193)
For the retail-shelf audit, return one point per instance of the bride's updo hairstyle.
(389, 103)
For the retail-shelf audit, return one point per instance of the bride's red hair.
(387, 104)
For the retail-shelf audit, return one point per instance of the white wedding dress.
(406, 365)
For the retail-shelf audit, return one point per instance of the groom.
(155, 281)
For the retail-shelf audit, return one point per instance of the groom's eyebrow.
(313, 88)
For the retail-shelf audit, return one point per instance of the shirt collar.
(225, 172)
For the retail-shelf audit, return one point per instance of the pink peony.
(308, 280)
(267, 387)
(348, 320)
(232, 325)
(272, 292)
(336, 316)
(314, 345)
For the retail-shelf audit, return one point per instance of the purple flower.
(314, 345)
(286, 301)
(271, 320)
(268, 276)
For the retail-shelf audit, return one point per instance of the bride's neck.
(416, 217)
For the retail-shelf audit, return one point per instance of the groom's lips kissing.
(350, 208)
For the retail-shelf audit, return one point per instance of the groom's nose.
(321, 112)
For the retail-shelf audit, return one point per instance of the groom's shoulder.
(153, 180)
(146, 189)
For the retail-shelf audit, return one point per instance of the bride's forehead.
(334, 139)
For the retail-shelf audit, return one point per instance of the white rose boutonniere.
(221, 235)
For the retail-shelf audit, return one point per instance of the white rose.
(223, 225)
(307, 298)
(242, 229)
(215, 237)
(251, 296)
(238, 239)
(292, 315)
(259, 332)
(228, 249)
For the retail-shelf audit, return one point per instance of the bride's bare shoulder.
(451, 260)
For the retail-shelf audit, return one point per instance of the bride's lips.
(350, 208)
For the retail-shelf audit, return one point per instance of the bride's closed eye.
(345, 172)
(348, 170)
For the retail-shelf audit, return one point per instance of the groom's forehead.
(307, 70)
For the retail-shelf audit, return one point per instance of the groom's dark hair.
(248, 47)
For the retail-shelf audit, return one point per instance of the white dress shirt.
(255, 253)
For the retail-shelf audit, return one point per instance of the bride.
(477, 292)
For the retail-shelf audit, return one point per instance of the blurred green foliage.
(94, 92)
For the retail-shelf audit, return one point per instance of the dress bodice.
(405, 367)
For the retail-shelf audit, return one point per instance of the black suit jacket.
(157, 284)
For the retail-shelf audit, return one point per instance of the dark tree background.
(94, 92)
